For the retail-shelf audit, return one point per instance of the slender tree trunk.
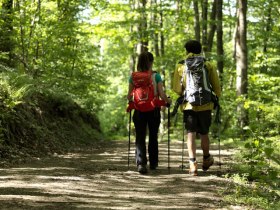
(6, 43)
(22, 46)
(196, 20)
(204, 24)
(220, 49)
(37, 45)
(155, 25)
(268, 26)
(162, 52)
(241, 62)
(268, 23)
(162, 48)
(132, 59)
(142, 28)
(231, 17)
(213, 25)
(235, 34)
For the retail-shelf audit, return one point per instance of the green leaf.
(268, 151)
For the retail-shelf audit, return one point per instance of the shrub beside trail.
(40, 124)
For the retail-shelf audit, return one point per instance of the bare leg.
(207, 162)
(192, 153)
(191, 145)
(205, 144)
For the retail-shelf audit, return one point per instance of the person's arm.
(129, 94)
(214, 79)
(130, 89)
(162, 93)
(176, 86)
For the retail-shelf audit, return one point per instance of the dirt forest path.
(98, 178)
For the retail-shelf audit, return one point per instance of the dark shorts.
(197, 121)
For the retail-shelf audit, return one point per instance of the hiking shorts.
(197, 121)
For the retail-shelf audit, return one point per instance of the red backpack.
(144, 94)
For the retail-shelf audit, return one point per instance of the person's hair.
(193, 46)
(150, 57)
(145, 60)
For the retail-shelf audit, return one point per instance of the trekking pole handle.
(168, 104)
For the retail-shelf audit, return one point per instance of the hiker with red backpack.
(145, 88)
(197, 82)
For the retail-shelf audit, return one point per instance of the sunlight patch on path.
(92, 180)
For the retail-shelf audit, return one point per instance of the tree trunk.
(241, 62)
(37, 45)
(196, 20)
(204, 24)
(162, 48)
(6, 43)
(142, 28)
(155, 26)
(220, 49)
(268, 23)
(230, 24)
(132, 59)
(267, 29)
(213, 26)
(162, 52)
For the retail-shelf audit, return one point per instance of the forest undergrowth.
(38, 123)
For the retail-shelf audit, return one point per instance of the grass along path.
(99, 178)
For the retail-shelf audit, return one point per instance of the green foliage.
(263, 104)
(258, 154)
(54, 44)
(37, 122)
(115, 108)
(10, 97)
(256, 195)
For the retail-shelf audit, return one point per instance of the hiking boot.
(153, 167)
(207, 163)
(193, 168)
(142, 169)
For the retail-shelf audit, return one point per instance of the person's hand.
(169, 102)
(130, 106)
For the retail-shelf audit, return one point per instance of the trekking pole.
(168, 136)
(129, 131)
(183, 145)
(218, 122)
(220, 164)
(219, 139)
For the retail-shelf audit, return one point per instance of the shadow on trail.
(98, 178)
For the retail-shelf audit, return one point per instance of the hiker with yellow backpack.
(145, 88)
(196, 81)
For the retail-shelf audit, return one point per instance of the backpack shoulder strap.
(182, 62)
(184, 73)
(155, 83)
(208, 85)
